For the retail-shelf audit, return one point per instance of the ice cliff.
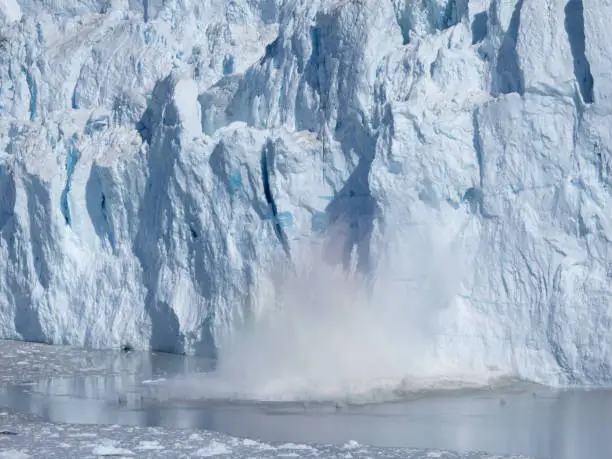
(160, 160)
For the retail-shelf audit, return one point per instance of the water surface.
(568, 424)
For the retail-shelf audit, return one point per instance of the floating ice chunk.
(215, 448)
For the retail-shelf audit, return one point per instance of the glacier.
(165, 165)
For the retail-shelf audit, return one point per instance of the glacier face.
(160, 162)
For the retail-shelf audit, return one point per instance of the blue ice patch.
(319, 222)
(235, 181)
(72, 157)
(285, 219)
(228, 65)
(395, 167)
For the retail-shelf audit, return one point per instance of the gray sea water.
(89, 387)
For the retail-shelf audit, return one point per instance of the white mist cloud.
(322, 335)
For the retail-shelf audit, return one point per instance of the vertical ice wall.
(159, 160)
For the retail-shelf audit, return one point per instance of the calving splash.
(324, 334)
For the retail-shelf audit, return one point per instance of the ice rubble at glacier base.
(159, 159)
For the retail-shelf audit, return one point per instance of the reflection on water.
(535, 421)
